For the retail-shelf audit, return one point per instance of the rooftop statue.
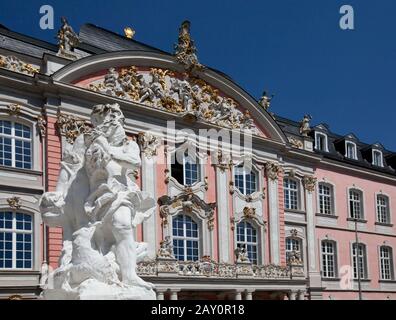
(98, 205)
(305, 128)
(185, 49)
(67, 38)
(265, 100)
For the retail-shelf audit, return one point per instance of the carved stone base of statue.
(92, 289)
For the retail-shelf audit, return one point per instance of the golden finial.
(129, 32)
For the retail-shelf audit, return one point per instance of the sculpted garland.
(188, 95)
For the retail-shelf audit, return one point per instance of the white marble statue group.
(98, 204)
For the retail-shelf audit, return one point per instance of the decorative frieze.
(309, 183)
(17, 65)
(191, 97)
(71, 127)
(148, 144)
(14, 203)
(272, 170)
(206, 267)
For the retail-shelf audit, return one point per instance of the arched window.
(321, 142)
(247, 238)
(383, 215)
(359, 257)
(356, 204)
(245, 180)
(291, 194)
(185, 172)
(329, 259)
(293, 244)
(15, 145)
(185, 238)
(326, 199)
(16, 240)
(386, 263)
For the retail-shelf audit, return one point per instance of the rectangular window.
(325, 199)
(377, 158)
(328, 259)
(16, 240)
(383, 209)
(359, 261)
(15, 145)
(291, 194)
(386, 263)
(320, 142)
(355, 204)
(351, 150)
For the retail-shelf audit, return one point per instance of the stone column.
(238, 294)
(173, 294)
(292, 295)
(249, 294)
(301, 295)
(223, 214)
(148, 144)
(313, 268)
(160, 294)
(272, 170)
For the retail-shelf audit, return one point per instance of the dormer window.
(350, 150)
(321, 142)
(377, 158)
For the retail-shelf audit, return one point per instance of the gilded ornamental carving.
(14, 203)
(41, 125)
(188, 202)
(272, 169)
(192, 98)
(309, 183)
(14, 109)
(17, 65)
(67, 39)
(185, 49)
(71, 127)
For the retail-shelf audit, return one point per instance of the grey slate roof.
(336, 143)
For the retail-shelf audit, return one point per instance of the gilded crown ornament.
(129, 32)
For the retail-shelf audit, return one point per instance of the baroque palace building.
(277, 222)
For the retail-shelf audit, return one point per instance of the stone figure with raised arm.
(98, 205)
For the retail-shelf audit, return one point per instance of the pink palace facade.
(277, 222)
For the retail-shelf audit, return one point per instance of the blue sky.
(293, 48)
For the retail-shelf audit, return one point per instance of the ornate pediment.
(184, 94)
(187, 202)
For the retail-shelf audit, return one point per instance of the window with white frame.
(350, 150)
(386, 263)
(383, 215)
(321, 142)
(326, 199)
(377, 158)
(329, 259)
(291, 194)
(187, 172)
(359, 257)
(16, 240)
(247, 238)
(356, 204)
(245, 180)
(185, 238)
(293, 244)
(15, 145)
